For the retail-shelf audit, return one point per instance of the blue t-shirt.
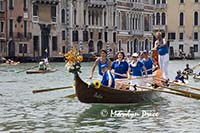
(181, 78)
(137, 69)
(106, 77)
(148, 64)
(99, 65)
(162, 50)
(120, 67)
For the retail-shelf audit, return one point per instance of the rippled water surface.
(22, 111)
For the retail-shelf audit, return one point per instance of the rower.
(100, 61)
(188, 69)
(120, 67)
(148, 62)
(136, 67)
(108, 78)
(179, 77)
(42, 65)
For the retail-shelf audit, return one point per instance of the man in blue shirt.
(108, 79)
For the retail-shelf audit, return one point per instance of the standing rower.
(163, 55)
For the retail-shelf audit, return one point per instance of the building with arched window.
(179, 25)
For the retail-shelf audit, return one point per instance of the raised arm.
(93, 68)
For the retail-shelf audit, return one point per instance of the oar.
(191, 87)
(195, 66)
(51, 89)
(191, 94)
(170, 92)
(26, 69)
(194, 88)
(71, 96)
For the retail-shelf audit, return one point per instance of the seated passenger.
(42, 65)
(136, 68)
(179, 77)
(188, 69)
(108, 78)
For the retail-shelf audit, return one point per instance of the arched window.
(196, 18)
(163, 18)
(163, 1)
(105, 19)
(136, 46)
(84, 16)
(75, 16)
(158, 1)
(113, 18)
(91, 46)
(158, 18)
(119, 45)
(181, 19)
(63, 16)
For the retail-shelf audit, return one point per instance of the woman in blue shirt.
(107, 78)
(120, 66)
(136, 68)
(148, 62)
(100, 61)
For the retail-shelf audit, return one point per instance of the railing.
(2, 35)
(161, 6)
(160, 27)
(22, 36)
(35, 19)
(46, 1)
(97, 2)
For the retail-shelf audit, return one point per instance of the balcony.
(35, 19)
(137, 32)
(97, 3)
(21, 36)
(160, 6)
(51, 2)
(2, 35)
(160, 27)
(138, 6)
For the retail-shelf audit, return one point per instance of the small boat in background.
(36, 71)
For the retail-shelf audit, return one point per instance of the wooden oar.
(170, 92)
(71, 96)
(26, 69)
(195, 66)
(51, 89)
(194, 88)
(183, 85)
(191, 94)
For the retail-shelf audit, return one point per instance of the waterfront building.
(3, 27)
(18, 28)
(115, 25)
(46, 30)
(179, 20)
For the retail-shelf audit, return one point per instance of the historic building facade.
(3, 27)
(18, 35)
(112, 24)
(40, 28)
(179, 22)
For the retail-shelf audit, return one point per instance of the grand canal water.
(22, 111)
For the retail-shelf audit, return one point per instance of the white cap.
(135, 55)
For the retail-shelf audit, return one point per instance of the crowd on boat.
(118, 73)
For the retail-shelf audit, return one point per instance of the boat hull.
(89, 94)
(40, 71)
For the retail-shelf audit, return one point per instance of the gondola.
(35, 71)
(88, 94)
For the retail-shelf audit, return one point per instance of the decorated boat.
(91, 94)
(36, 71)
